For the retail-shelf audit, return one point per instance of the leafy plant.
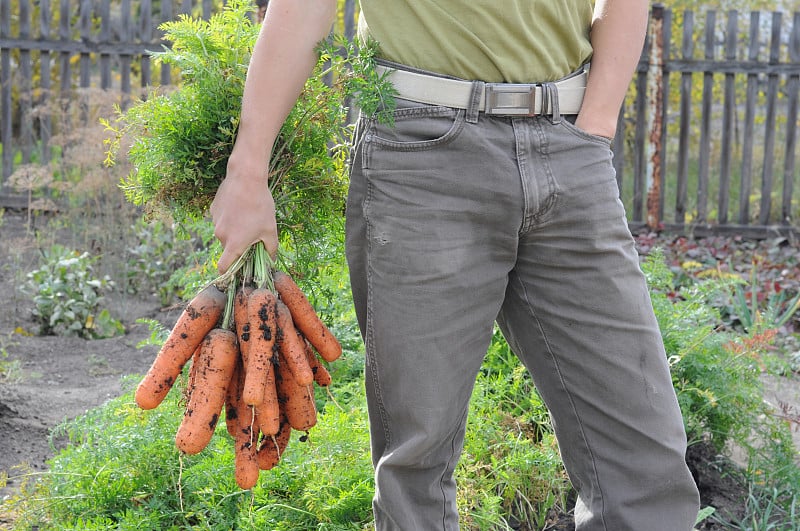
(760, 309)
(182, 139)
(160, 250)
(511, 470)
(10, 370)
(765, 509)
(68, 298)
(718, 389)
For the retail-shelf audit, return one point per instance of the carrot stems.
(262, 267)
(227, 317)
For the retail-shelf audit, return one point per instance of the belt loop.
(474, 107)
(550, 105)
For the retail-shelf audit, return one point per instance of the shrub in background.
(68, 298)
(160, 250)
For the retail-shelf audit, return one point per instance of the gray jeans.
(456, 220)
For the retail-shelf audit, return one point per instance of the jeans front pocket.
(416, 127)
(570, 126)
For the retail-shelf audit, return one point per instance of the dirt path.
(53, 378)
(56, 379)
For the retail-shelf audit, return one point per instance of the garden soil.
(53, 379)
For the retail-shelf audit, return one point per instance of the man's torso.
(514, 41)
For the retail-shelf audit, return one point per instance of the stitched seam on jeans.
(424, 145)
(548, 204)
(370, 338)
(571, 401)
(522, 160)
(453, 455)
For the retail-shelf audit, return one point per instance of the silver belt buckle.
(510, 99)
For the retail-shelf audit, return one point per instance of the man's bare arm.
(618, 32)
(283, 58)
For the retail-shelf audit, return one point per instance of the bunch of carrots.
(253, 339)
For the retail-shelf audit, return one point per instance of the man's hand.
(284, 56)
(243, 213)
(617, 35)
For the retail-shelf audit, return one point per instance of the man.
(489, 199)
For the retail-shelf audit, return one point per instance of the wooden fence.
(706, 141)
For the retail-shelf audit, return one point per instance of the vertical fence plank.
(125, 59)
(640, 138)
(206, 9)
(45, 122)
(665, 85)
(705, 123)
(25, 84)
(6, 112)
(682, 186)
(145, 35)
(104, 60)
(186, 7)
(85, 76)
(65, 33)
(654, 143)
(791, 124)
(166, 16)
(350, 19)
(728, 111)
(85, 25)
(769, 122)
(751, 96)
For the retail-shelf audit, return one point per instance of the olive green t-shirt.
(513, 41)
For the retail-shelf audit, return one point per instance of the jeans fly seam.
(522, 166)
(551, 197)
(564, 386)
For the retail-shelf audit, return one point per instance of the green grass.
(121, 469)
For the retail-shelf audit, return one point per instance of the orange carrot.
(271, 448)
(306, 319)
(297, 401)
(292, 346)
(321, 375)
(216, 364)
(245, 441)
(268, 412)
(233, 399)
(241, 321)
(197, 319)
(261, 316)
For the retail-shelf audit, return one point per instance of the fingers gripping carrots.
(253, 358)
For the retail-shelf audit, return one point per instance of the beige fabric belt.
(504, 99)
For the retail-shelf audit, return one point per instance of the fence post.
(5, 94)
(655, 116)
